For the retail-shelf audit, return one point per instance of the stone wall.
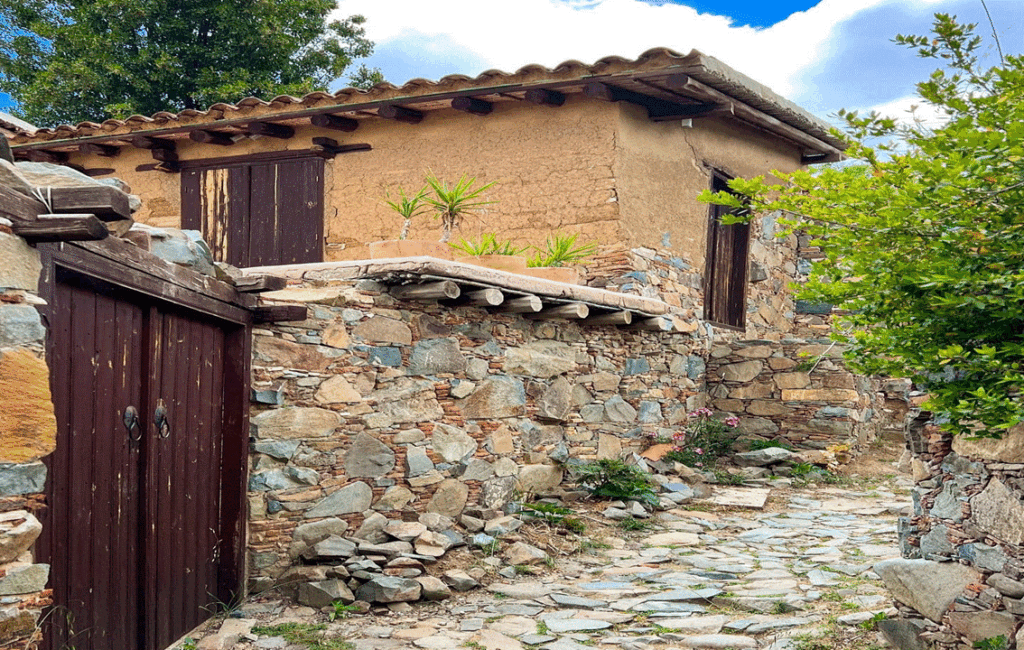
(27, 433)
(962, 577)
(404, 407)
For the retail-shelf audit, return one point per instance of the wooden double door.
(143, 524)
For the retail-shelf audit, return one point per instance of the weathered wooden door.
(725, 268)
(142, 518)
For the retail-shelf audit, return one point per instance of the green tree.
(924, 235)
(64, 61)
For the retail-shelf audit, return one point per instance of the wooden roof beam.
(146, 142)
(657, 109)
(568, 311)
(42, 155)
(747, 113)
(545, 97)
(105, 150)
(331, 146)
(522, 305)
(211, 137)
(271, 130)
(612, 318)
(400, 114)
(61, 227)
(443, 289)
(489, 297)
(472, 105)
(335, 122)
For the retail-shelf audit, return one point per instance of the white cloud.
(909, 109)
(507, 35)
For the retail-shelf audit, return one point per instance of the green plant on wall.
(408, 206)
(488, 244)
(560, 250)
(452, 202)
(613, 479)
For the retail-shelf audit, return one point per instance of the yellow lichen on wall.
(28, 428)
(661, 167)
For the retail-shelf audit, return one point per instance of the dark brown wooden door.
(257, 213)
(137, 520)
(725, 269)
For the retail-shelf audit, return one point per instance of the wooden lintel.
(400, 114)
(521, 305)
(545, 97)
(334, 122)
(331, 146)
(98, 171)
(211, 137)
(164, 155)
(427, 291)
(105, 150)
(61, 227)
(472, 105)
(43, 155)
(257, 283)
(656, 324)
(278, 313)
(489, 297)
(271, 130)
(570, 311)
(146, 142)
(749, 114)
(613, 318)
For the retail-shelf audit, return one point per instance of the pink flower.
(698, 450)
(732, 422)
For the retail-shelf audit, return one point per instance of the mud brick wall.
(374, 404)
(27, 434)
(965, 538)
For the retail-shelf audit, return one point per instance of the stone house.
(397, 387)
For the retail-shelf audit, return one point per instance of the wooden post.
(569, 311)
(427, 291)
(522, 305)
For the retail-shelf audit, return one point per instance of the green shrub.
(703, 439)
(613, 479)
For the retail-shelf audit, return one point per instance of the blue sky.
(822, 54)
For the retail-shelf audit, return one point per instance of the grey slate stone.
(928, 587)
(386, 589)
(24, 580)
(20, 325)
(383, 356)
(452, 444)
(650, 412)
(355, 497)
(555, 401)
(936, 543)
(368, 457)
(280, 449)
(617, 409)
(496, 397)
(22, 478)
(436, 356)
(417, 462)
(637, 366)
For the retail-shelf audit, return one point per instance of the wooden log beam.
(568, 311)
(169, 167)
(271, 130)
(278, 313)
(334, 122)
(43, 155)
(211, 137)
(331, 146)
(521, 305)
(164, 155)
(747, 113)
(105, 150)
(489, 297)
(656, 324)
(107, 203)
(257, 283)
(98, 171)
(427, 291)
(472, 105)
(146, 142)
(613, 318)
(400, 114)
(545, 97)
(61, 227)
(814, 159)
(656, 108)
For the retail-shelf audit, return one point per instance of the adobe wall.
(965, 540)
(661, 167)
(374, 404)
(28, 431)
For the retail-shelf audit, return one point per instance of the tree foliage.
(65, 61)
(924, 235)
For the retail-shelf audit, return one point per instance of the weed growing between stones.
(309, 635)
(632, 524)
(992, 643)
(553, 515)
(613, 479)
(341, 611)
(702, 440)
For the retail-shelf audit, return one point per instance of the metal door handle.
(131, 421)
(163, 427)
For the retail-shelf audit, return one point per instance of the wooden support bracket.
(105, 150)
(330, 146)
(61, 227)
(164, 155)
(211, 137)
(271, 130)
(400, 114)
(146, 142)
(521, 305)
(569, 311)
(657, 109)
(43, 155)
(257, 283)
(656, 324)
(427, 291)
(278, 313)
(107, 203)
(613, 318)
(335, 122)
(472, 105)
(490, 297)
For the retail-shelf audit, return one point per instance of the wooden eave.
(658, 88)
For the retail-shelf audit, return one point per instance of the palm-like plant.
(488, 244)
(452, 202)
(407, 206)
(560, 250)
